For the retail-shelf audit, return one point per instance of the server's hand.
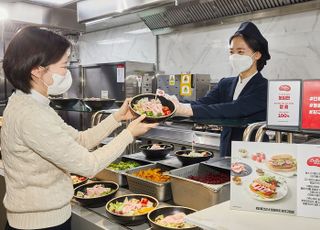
(138, 128)
(124, 113)
(183, 110)
(172, 98)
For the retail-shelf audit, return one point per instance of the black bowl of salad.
(95, 194)
(131, 209)
(157, 108)
(156, 151)
(189, 156)
(78, 180)
(171, 217)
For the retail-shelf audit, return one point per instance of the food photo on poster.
(264, 179)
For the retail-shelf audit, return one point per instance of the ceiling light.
(112, 41)
(53, 2)
(3, 14)
(97, 21)
(139, 31)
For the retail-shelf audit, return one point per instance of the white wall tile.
(118, 44)
(293, 42)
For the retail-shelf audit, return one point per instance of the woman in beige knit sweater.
(39, 149)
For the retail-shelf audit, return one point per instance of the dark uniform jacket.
(219, 104)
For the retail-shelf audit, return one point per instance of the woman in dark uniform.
(243, 96)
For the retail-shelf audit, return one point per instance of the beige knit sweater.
(39, 151)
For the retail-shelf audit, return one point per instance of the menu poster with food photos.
(263, 177)
(284, 103)
(308, 202)
(276, 178)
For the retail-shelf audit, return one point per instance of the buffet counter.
(224, 218)
(82, 218)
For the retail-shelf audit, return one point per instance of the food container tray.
(118, 176)
(170, 160)
(194, 194)
(223, 163)
(160, 191)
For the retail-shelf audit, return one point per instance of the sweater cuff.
(114, 121)
(110, 122)
(127, 136)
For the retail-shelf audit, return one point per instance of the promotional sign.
(310, 116)
(120, 73)
(284, 103)
(275, 178)
(308, 202)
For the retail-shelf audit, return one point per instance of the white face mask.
(240, 63)
(61, 84)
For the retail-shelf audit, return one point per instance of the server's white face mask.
(60, 85)
(240, 63)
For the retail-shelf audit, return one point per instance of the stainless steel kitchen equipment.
(167, 16)
(74, 118)
(120, 80)
(196, 194)
(6, 90)
(160, 191)
(118, 175)
(181, 135)
(106, 80)
(116, 81)
(200, 84)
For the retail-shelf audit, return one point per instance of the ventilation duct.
(163, 16)
(188, 13)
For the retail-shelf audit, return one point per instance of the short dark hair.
(31, 47)
(256, 47)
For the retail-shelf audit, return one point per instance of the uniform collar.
(247, 79)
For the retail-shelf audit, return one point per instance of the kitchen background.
(185, 36)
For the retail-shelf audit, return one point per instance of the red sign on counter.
(310, 119)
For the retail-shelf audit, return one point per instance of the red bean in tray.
(219, 178)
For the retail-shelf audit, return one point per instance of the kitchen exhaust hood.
(21, 14)
(194, 13)
(164, 16)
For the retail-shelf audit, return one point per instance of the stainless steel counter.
(82, 218)
(184, 135)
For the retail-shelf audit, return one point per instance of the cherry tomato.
(168, 112)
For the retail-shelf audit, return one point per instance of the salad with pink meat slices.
(97, 190)
(131, 207)
(151, 107)
(176, 220)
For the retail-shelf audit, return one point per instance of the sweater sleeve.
(44, 135)
(92, 136)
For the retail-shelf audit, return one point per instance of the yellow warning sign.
(185, 85)
(172, 80)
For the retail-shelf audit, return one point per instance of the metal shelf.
(241, 123)
(294, 131)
